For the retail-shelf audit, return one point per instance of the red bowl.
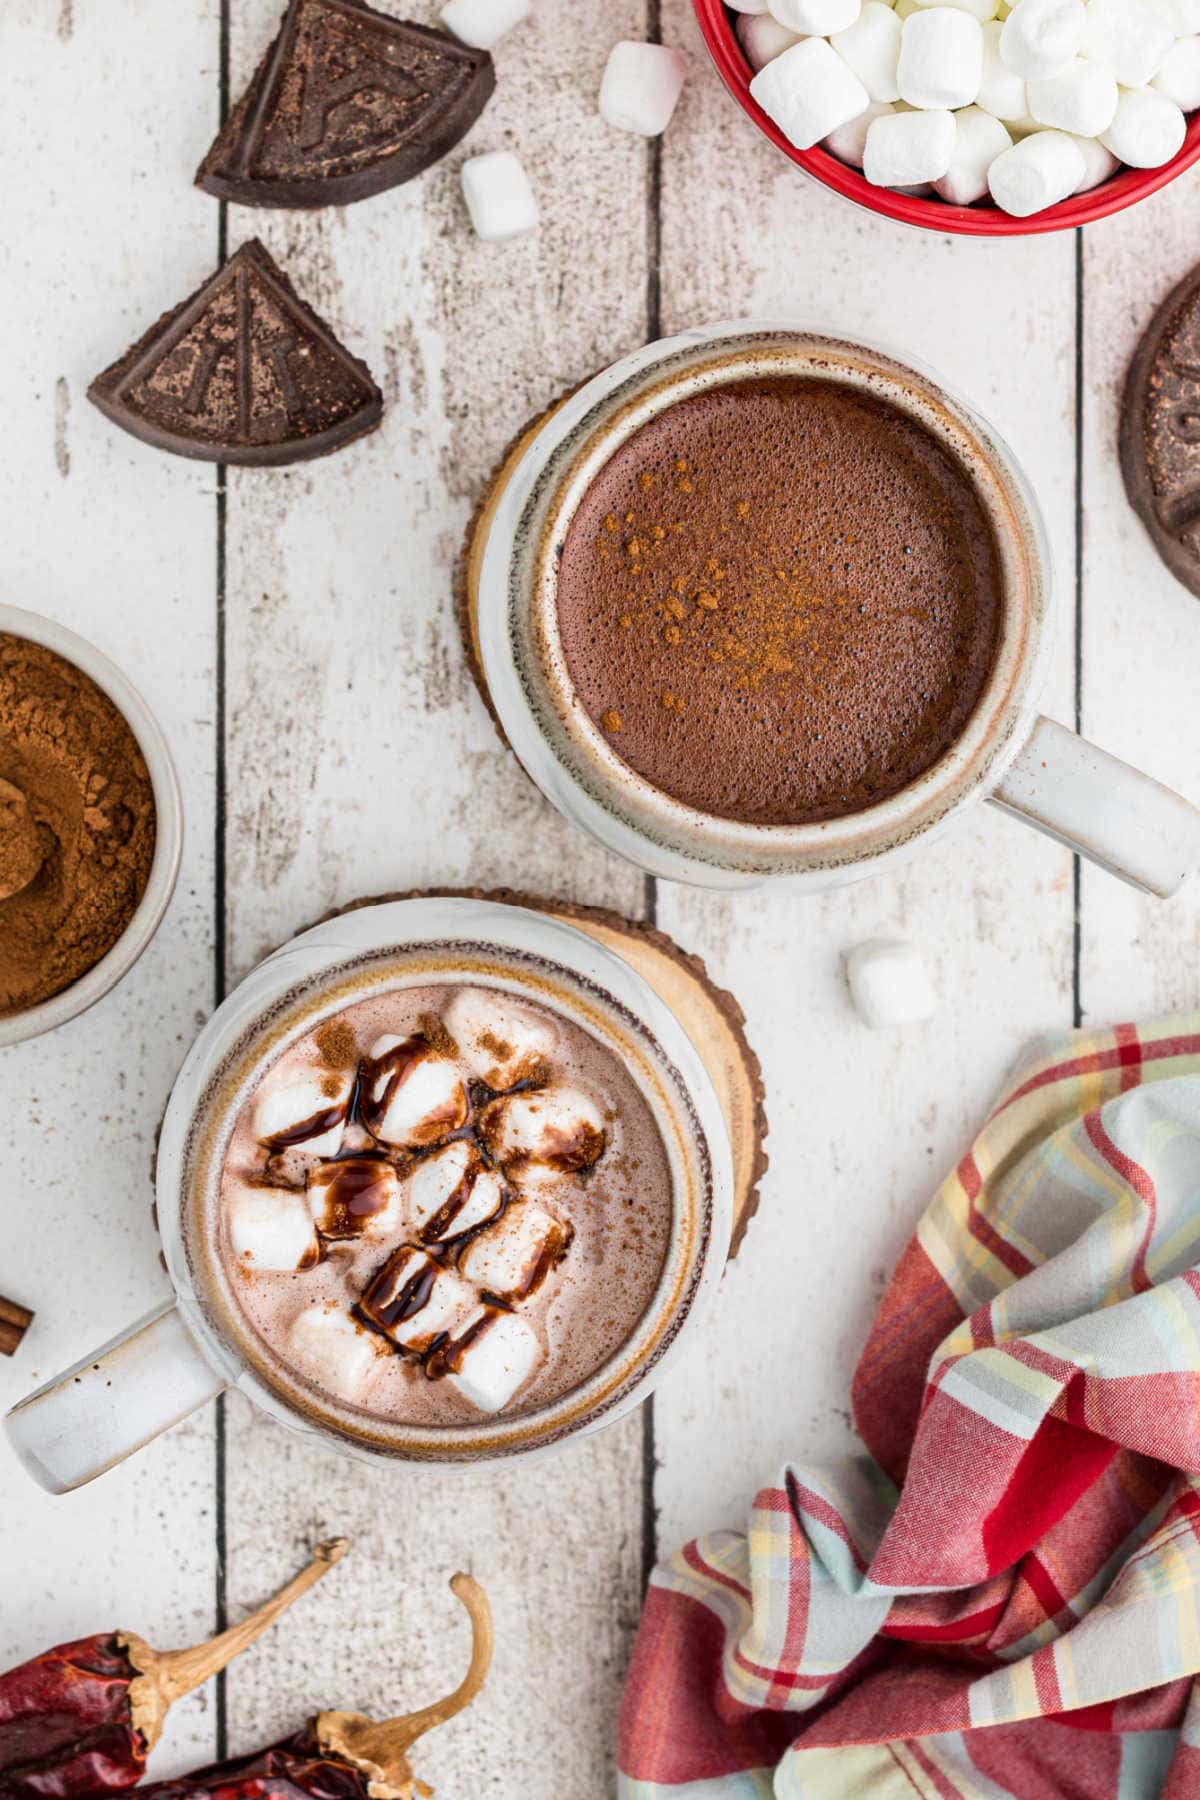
(1111, 196)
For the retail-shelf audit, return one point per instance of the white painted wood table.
(294, 631)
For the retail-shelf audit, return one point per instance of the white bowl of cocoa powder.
(91, 825)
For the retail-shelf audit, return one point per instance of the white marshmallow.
(750, 8)
(908, 148)
(498, 196)
(815, 18)
(500, 1042)
(1041, 170)
(641, 87)
(809, 91)
(330, 1346)
(482, 23)
(1127, 38)
(941, 59)
(1147, 131)
(978, 140)
(1040, 37)
(1179, 76)
(512, 1257)
(556, 1128)
(871, 47)
(271, 1228)
(1082, 99)
(983, 10)
(303, 1108)
(1098, 164)
(413, 1097)
(498, 1354)
(451, 1192)
(1181, 17)
(849, 142)
(1001, 92)
(762, 38)
(414, 1299)
(356, 1198)
(889, 983)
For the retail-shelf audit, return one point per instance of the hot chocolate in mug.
(363, 964)
(1004, 751)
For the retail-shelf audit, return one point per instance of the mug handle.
(112, 1402)
(1111, 814)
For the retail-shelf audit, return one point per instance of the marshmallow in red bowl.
(1089, 104)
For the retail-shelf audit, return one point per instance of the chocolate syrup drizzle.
(358, 1172)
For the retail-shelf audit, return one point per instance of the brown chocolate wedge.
(241, 372)
(1160, 431)
(345, 103)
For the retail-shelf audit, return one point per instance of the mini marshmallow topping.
(383, 1183)
(1113, 77)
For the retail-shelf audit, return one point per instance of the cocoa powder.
(77, 824)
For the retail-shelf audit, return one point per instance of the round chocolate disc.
(1160, 431)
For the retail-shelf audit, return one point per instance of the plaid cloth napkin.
(1003, 1597)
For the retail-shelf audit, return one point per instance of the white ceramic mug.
(1027, 764)
(165, 1366)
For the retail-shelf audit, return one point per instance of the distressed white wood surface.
(358, 759)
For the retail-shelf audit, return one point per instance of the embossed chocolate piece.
(1160, 431)
(345, 103)
(241, 372)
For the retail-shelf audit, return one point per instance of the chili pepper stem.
(379, 1749)
(164, 1676)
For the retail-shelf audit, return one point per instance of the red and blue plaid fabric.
(1002, 1599)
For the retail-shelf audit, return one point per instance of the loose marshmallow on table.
(871, 47)
(303, 1109)
(490, 1356)
(500, 1042)
(548, 1130)
(641, 87)
(498, 196)
(1040, 37)
(889, 983)
(1001, 89)
(512, 1257)
(414, 1299)
(1082, 99)
(271, 1228)
(482, 23)
(763, 37)
(412, 1097)
(1147, 131)
(941, 58)
(815, 18)
(753, 8)
(355, 1198)
(1179, 76)
(809, 91)
(849, 142)
(1127, 37)
(1041, 170)
(907, 148)
(978, 140)
(330, 1346)
(452, 1192)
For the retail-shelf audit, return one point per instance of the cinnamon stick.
(14, 1323)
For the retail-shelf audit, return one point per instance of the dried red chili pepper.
(339, 1755)
(82, 1718)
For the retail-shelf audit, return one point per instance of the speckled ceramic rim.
(398, 944)
(168, 820)
(573, 762)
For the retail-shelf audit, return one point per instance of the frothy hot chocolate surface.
(445, 1203)
(780, 600)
